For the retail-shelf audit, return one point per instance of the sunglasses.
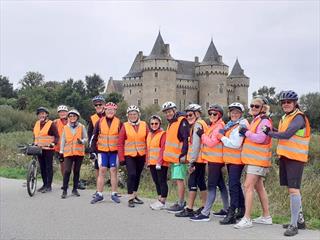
(98, 105)
(189, 115)
(286, 102)
(154, 124)
(255, 106)
(213, 114)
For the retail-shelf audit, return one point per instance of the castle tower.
(159, 75)
(212, 75)
(238, 84)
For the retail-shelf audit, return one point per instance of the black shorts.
(197, 178)
(290, 172)
(96, 165)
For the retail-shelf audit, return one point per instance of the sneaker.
(301, 226)
(263, 220)
(200, 218)
(240, 213)
(291, 231)
(221, 213)
(175, 208)
(41, 189)
(131, 203)
(137, 200)
(97, 198)
(198, 211)
(94, 195)
(75, 193)
(244, 223)
(46, 189)
(115, 198)
(157, 205)
(64, 194)
(185, 213)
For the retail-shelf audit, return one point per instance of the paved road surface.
(46, 216)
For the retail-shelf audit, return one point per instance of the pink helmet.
(111, 105)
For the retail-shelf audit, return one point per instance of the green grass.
(16, 173)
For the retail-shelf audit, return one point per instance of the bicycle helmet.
(216, 108)
(62, 108)
(264, 99)
(155, 117)
(194, 108)
(111, 105)
(236, 105)
(74, 111)
(98, 98)
(288, 95)
(168, 105)
(133, 108)
(42, 109)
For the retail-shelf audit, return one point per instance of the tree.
(114, 97)
(31, 80)
(79, 87)
(6, 88)
(94, 85)
(310, 104)
(268, 93)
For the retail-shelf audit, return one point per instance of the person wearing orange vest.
(98, 103)
(176, 149)
(62, 111)
(256, 155)
(293, 147)
(46, 136)
(73, 140)
(231, 151)
(132, 151)
(211, 150)
(158, 168)
(105, 143)
(197, 165)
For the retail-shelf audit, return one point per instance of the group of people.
(190, 148)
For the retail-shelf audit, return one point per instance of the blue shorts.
(108, 159)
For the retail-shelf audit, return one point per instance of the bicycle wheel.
(32, 177)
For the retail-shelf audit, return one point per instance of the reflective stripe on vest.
(72, 147)
(59, 124)
(153, 147)
(42, 137)
(296, 147)
(257, 154)
(200, 157)
(135, 144)
(108, 136)
(231, 155)
(173, 146)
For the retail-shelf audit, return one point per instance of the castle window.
(207, 105)
(139, 103)
(238, 98)
(155, 74)
(155, 101)
(155, 89)
(184, 91)
(207, 73)
(130, 91)
(139, 91)
(220, 88)
(208, 94)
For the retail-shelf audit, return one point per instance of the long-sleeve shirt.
(296, 124)
(234, 140)
(84, 138)
(211, 140)
(259, 136)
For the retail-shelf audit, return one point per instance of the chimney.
(111, 78)
(167, 49)
(196, 60)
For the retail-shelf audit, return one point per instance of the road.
(46, 216)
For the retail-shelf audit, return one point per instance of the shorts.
(107, 159)
(197, 178)
(257, 170)
(290, 172)
(178, 171)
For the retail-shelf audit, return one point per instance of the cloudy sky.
(276, 42)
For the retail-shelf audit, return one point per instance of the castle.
(158, 77)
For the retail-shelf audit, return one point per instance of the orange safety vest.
(296, 147)
(173, 146)
(42, 137)
(212, 154)
(135, 144)
(200, 157)
(231, 155)
(59, 124)
(94, 119)
(72, 147)
(153, 148)
(258, 154)
(108, 136)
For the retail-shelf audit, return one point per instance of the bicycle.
(32, 173)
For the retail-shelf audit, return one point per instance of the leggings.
(46, 168)
(160, 179)
(134, 168)
(68, 162)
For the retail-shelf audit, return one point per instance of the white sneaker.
(263, 220)
(157, 205)
(244, 223)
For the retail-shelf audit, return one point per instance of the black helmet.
(98, 98)
(217, 108)
(288, 95)
(42, 109)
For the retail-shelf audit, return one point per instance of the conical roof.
(212, 56)
(159, 50)
(136, 68)
(237, 71)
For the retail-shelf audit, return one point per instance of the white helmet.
(62, 108)
(237, 106)
(74, 111)
(194, 108)
(133, 108)
(168, 105)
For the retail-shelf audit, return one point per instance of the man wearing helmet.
(60, 122)
(45, 135)
(105, 143)
(176, 149)
(197, 166)
(293, 147)
(132, 151)
(73, 140)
